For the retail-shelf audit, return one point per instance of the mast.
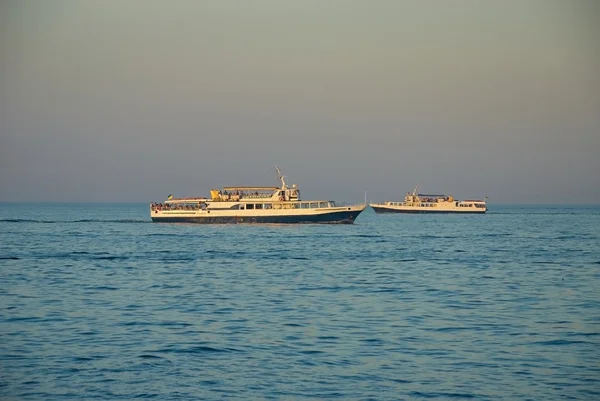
(281, 177)
(414, 196)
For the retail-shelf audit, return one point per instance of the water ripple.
(96, 305)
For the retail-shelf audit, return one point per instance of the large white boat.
(275, 205)
(423, 203)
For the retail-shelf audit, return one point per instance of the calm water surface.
(98, 303)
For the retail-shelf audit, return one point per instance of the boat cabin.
(250, 194)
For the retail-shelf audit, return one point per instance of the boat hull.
(335, 217)
(385, 210)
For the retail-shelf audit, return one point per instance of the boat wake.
(73, 221)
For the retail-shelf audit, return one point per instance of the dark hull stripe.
(384, 210)
(343, 217)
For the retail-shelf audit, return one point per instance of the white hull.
(332, 215)
(389, 207)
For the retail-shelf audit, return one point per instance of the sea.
(99, 303)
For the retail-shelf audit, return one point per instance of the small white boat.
(275, 205)
(423, 203)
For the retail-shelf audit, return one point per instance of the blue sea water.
(97, 302)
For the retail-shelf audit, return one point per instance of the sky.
(132, 100)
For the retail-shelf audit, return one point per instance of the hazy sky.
(132, 100)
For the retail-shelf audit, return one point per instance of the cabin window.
(259, 206)
(322, 204)
(268, 206)
(249, 206)
(314, 205)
